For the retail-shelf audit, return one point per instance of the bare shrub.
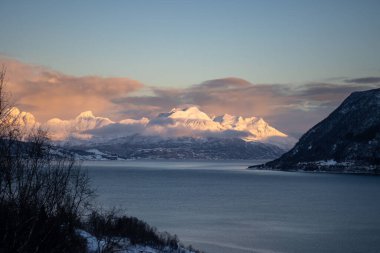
(42, 196)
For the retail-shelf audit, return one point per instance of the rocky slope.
(348, 140)
(147, 147)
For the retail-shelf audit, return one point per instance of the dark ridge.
(347, 141)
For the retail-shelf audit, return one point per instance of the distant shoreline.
(254, 167)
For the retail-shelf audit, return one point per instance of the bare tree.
(42, 195)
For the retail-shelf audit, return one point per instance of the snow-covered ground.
(84, 155)
(95, 245)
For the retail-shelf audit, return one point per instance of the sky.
(291, 62)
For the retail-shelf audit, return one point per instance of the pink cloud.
(290, 108)
(48, 93)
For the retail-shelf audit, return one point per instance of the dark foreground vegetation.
(46, 199)
(111, 229)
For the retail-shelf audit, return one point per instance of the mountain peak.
(25, 120)
(86, 114)
(64, 129)
(261, 121)
(188, 122)
(14, 111)
(192, 112)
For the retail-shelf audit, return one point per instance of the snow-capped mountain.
(185, 119)
(187, 133)
(65, 129)
(25, 120)
(192, 122)
(190, 113)
(187, 122)
(257, 127)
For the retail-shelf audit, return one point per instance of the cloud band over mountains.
(48, 93)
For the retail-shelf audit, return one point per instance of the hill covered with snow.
(179, 133)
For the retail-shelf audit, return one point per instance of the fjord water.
(220, 207)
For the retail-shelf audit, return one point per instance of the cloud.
(225, 83)
(48, 93)
(117, 130)
(364, 80)
(291, 108)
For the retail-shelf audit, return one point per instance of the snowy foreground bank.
(123, 245)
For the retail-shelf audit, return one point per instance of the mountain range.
(182, 132)
(348, 140)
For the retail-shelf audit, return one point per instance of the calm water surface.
(221, 207)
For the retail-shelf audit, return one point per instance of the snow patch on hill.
(123, 245)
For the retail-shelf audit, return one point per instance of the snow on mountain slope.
(258, 129)
(181, 120)
(64, 129)
(187, 113)
(195, 123)
(25, 120)
(187, 122)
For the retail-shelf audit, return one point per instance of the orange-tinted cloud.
(290, 108)
(47, 93)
